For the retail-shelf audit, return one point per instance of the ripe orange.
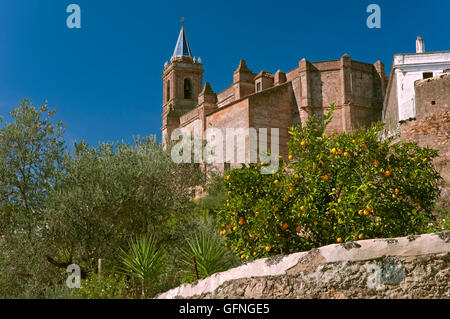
(252, 235)
(228, 177)
(324, 177)
(291, 190)
(229, 226)
(419, 207)
(377, 224)
(353, 141)
(360, 212)
(241, 221)
(268, 248)
(286, 199)
(339, 240)
(361, 237)
(256, 213)
(397, 190)
(346, 154)
(224, 232)
(254, 253)
(316, 222)
(285, 226)
(387, 173)
(243, 257)
(425, 160)
(375, 163)
(394, 196)
(363, 145)
(303, 208)
(333, 151)
(298, 229)
(235, 228)
(277, 181)
(339, 151)
(291, 157)
(262, 163)
(303, 143)
(366, 212)
(235, 213)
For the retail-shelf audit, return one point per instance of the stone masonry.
(406, 267)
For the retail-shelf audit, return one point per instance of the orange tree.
(334, 188)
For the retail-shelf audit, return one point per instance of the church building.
(266, 100)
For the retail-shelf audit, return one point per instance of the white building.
(407, 68)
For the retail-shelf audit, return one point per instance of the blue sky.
(104, 80)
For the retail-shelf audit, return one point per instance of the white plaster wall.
(410, 68)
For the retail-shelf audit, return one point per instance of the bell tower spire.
(182, 47)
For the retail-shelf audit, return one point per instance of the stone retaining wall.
(406, 267)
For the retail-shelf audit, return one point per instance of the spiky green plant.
(144, 262)
(210, 253)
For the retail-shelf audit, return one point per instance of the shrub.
(145, 261)
(335, 188)
(210, 254)
(103, 287)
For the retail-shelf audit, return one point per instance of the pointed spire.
(182, 48)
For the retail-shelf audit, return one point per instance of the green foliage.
(59, 208)
(210, 253)
(114, 192)
(145, 260)
(31, 149)
(336, 188)
(103, 287)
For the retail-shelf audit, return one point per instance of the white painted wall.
(409, 68)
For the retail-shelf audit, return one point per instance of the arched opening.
(167, 90)
(187, 89)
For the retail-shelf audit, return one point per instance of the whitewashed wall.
(410, 68)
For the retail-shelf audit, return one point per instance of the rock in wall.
(406, 267)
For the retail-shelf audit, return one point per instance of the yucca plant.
(210, 253)
(144, 262)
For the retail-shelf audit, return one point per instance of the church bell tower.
(182, 83)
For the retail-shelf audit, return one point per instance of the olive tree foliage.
(59, 207)
(112, 193)
(31, 155)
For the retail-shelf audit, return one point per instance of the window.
(167, 90)
(258, 86)
(427, 75)
(227, 166)
(187, 89)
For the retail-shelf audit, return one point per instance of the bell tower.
(182, 83)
